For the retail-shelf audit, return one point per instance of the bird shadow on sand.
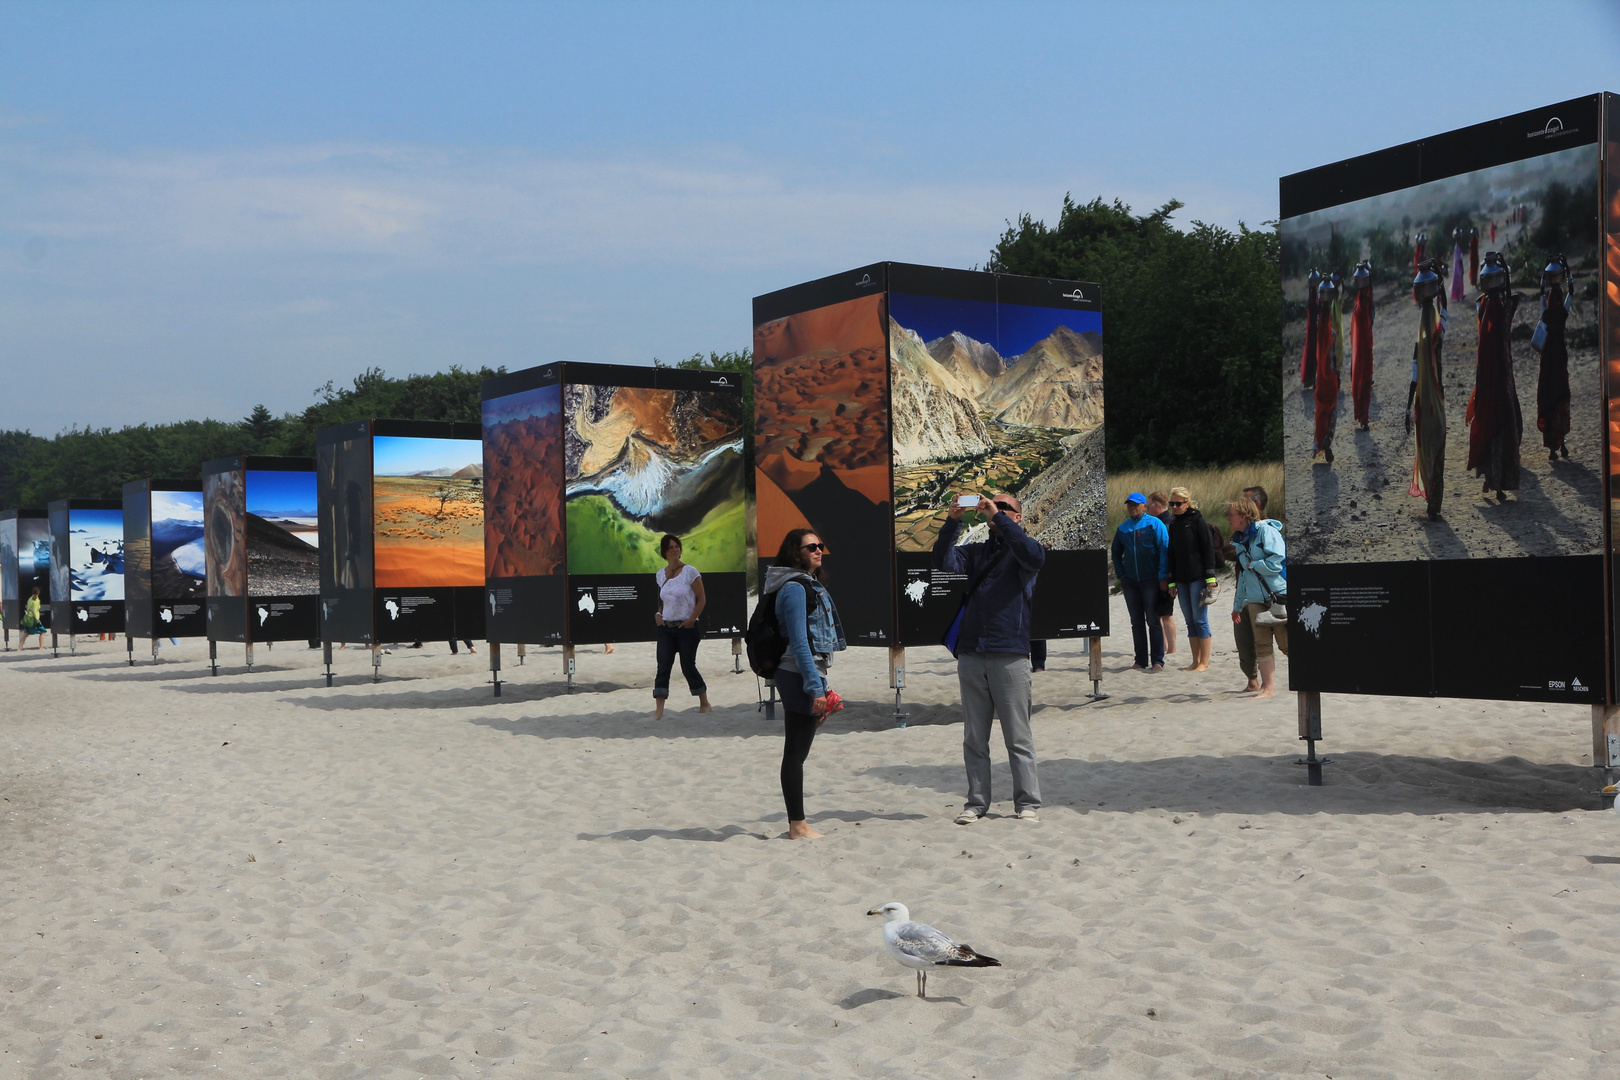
(711, 836)
(871, 994)
(1355, 783)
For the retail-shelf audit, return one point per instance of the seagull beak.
(875, 911)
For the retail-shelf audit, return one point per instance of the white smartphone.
(967, 501)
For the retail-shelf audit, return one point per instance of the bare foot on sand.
(1265, 692)
(703, 703)
(799, 830)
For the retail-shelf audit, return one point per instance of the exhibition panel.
(87, 566)
(401, 510)
(883, 392)
(1444, 411)
(586, 468)
(165, 574)
(263, 561)
(25, 564)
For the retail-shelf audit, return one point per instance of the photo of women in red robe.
(1495, 423)
(1329, 362)
(1552, 386)
(1361, 344)
(1307, 363)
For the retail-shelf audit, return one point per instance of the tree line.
(1192, 331)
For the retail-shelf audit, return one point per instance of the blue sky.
(212, 205)
(272, 493)
(397, 455)
(1010, 329)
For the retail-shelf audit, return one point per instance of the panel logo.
(1076, 295)
(721, 381)
(866, 282)
(1551, 129)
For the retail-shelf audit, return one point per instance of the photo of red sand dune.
(822, 419)
(523, 486)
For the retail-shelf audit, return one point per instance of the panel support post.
(73, 644)
(7, 632)
(129, 647)
(213, 655)
(248, 651)
(897, 679)
(1094, 654)
(156, 643)
(768, 703)
(326, 657)
(1606, 746)
(376, 663)
(495, 665)
(568, 666)
(54, 653)
(523, 651)
(736, 655)
(1310, 732)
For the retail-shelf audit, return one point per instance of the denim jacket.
(1260, 553)
(808, 655)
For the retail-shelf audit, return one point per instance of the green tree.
(1192, 327)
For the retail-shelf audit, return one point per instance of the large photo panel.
(96, 561)
(179, 561)
(281, 528)
(996, 384)
(1444, 408)
(822, 454)
(225, 548)
(343, 474)
(642, 462)
(523, 511)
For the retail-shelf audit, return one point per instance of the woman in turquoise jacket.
(1261, 556)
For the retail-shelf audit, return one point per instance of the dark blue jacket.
(997, 617)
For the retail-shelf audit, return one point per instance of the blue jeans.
(1142, 601)
(1196, 614)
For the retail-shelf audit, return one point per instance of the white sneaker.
(1028, 814)
(968, 817)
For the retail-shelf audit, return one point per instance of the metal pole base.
(568, 667)
(1313, 764)
(213, 655)
(129, 647)
(326, 656)
(376, 663)
(768, 703)
(495, 665)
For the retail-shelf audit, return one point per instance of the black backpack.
(1218, 542)
(763, 640)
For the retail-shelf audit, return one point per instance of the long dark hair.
(791, 553)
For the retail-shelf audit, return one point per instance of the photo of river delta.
(1360, 508)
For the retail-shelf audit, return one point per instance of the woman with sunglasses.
(1192, 570)
(805, 615)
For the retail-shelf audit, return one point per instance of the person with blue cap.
(1141, 552)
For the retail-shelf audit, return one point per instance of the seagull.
(919, 946)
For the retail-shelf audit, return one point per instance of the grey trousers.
(997, 684)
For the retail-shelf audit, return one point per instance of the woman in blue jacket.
(813, 634)
(1261, 554)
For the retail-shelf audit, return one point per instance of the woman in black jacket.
(1192, 572)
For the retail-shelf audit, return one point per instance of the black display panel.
(87, 566)
(1444, 413)
(165, 582)
(263, 560)
(343, 474)
(25, 564)
(524, 552)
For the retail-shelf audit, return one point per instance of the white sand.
(414, 879)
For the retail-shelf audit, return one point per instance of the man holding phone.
(992, 647)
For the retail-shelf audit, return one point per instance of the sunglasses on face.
(1008, 507)
(815, 547)
(1177, 502)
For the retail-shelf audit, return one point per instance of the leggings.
(801, 732)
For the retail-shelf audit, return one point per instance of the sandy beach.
(256, 876)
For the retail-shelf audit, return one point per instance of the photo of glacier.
(179, 558)
(641, 462)
(989, 397)
(96, 554)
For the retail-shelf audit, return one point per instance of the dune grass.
(1210, 487)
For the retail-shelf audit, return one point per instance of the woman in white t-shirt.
(680, 602)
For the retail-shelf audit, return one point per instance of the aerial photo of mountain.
(523, 532)
(281, 533)
(1020, 412)
(428, 506)
(642, 462)
(97, 554)
(179, 560)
